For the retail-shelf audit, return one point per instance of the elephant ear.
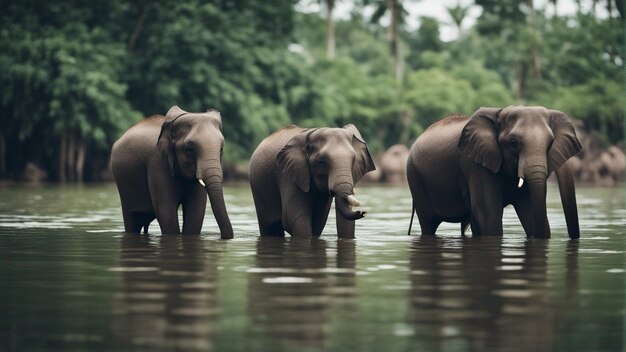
(216, 115)
(174, 112)
(479, 139)
(565, 144)
(363, 163)
(165, 142)
(293, 162)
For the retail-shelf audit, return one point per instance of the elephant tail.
(464, 224)
(412, 215)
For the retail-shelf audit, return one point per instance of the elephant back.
(438, 142)
(272, 144)
(139, 139)
(263, 159)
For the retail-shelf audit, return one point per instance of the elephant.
(393, 164)
(295, 173)
(468, 169)
(163, 162)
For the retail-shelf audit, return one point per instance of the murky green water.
(69, 280)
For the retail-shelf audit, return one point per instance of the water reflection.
(166, 298)
(295, 287)
(487, 294)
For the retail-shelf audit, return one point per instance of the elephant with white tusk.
(161, 163)
(468, 169)
(295, 173)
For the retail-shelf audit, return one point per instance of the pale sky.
(437, 9)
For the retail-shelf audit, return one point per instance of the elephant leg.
(485, 191)
(194, 207)
(166, 211)
(422, 205)
(131, 225)
(268, 208)
(273, 229)
(524, 209)
(166, 194)
(296, 212)
(298, 223)
(134, 221)
(167, 216)
(321, 208)
(428, 225)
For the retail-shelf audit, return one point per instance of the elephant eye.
(514, 145)
(189, 151)
(322, 163)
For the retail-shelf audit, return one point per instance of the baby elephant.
(296, 172)
(468, 169)
(163, 162)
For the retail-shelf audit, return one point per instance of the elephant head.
(192, 145)
(329, 160)
(527, 144)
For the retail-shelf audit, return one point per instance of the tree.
(458, 14)
(61, 91)
(231, 56)
(396, 17)
(441, 96)
(514, 23)
(330, 30)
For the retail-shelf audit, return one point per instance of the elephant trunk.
(210, 176)
(536, 176)
(565, 178)
(343, 190)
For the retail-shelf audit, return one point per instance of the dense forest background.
(77, 73)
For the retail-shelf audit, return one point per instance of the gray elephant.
(468, 169)
(393, 164)
(163, 162)
(296, 172)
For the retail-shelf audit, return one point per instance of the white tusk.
(520, 183)
(201, 182)
(353, 201)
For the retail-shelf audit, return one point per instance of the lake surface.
(71, 280)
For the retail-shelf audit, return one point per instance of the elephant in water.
(163, 162)
(468, 169)
(296, 172)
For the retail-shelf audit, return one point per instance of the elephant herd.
(461, 169)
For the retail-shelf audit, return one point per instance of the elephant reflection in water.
(478, 294)
(167, 296)
(295, 290)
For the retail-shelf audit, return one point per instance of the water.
(70, 280)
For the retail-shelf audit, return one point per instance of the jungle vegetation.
(77, 73)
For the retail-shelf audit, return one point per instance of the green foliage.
(58, 86)
(432, 94)
(598, 103)
(91, 69)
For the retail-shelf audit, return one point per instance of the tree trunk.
(619, 4)
(330, 30)
(394, 10)
(555, 14)
(3, 164)
(71, 158)
(530, 65)
(405, 119)
(139, 27)
(593, 7)
(80, 159)
(62, 158)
